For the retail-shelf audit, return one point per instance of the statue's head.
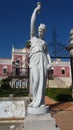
(41, 30)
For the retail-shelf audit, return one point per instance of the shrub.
(64, 97)
(5, 83)
(17, 92)
(59, 94)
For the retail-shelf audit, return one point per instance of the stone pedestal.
(38, 110)
(40, 122)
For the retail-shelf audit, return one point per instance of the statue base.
(38, 110)
(40, 122)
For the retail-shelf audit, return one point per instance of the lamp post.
(70, 49)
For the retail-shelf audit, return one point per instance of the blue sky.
(15, 18)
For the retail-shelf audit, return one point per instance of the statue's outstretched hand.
(38, 8)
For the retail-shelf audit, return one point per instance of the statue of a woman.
(39, 60)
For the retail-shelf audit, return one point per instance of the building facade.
(60, 74)
(17, 67)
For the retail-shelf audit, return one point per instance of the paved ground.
(64, 120)
(62, 112)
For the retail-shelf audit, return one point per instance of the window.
(4, 70)
(18, 61)
(63, 70)
(23, 83)
(17, 67)
(13, 62)
(17, 71)
(17, 84)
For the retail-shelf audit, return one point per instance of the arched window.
(17, 67)
(17, 84)
(4, 69)
(23, 84)
(63, 70)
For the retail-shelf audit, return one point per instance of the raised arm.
(33, 20)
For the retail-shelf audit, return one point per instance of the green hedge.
(59, 94)
(20, 92)
(17, 92)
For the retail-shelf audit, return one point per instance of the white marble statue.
(39, 61)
